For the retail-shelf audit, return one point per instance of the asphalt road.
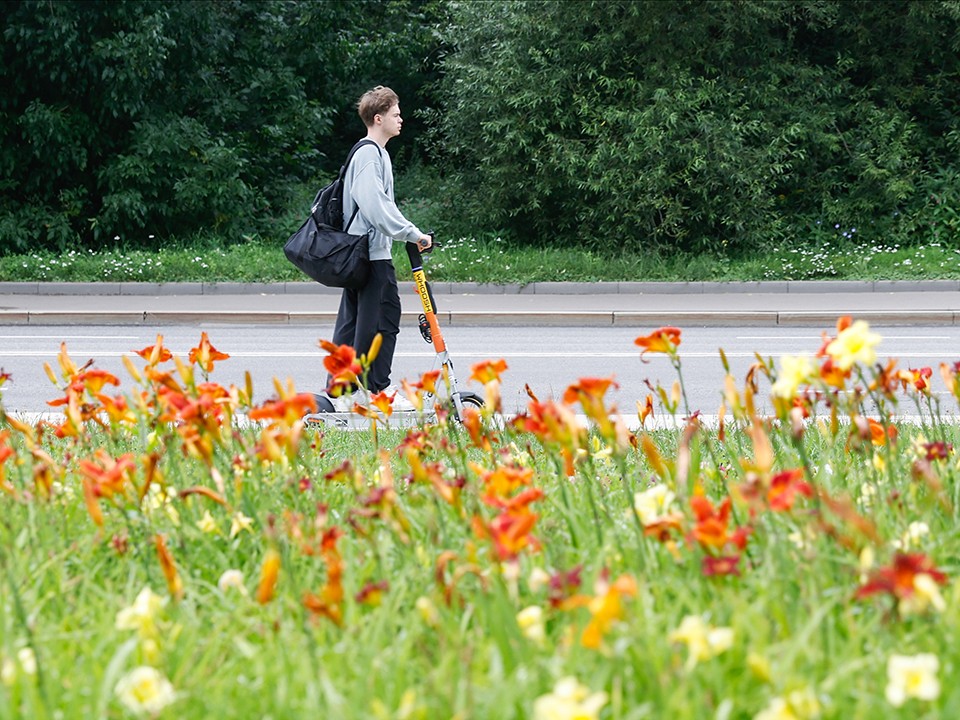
(546, 359)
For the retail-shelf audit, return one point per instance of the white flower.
(240, 523)
(703, 641)
(569, 701)
(8, 672)
(912, 676)
(145, 691)
(207, 523)
(539, 579)
(911, 538)
(232, 579)
(926, 594)
(653, 503)
(142, 614)
(855, 344)
(27, 660)
(794, 371)
(531, 623)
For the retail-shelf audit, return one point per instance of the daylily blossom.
(606, 608)
(653, 503)
(342, 364)
(569, 701)
(156, 353)
(918, 378)
(205, 354)
(645, 410)
(911, 579)
(531, 623)
(854, 344)
(785, 487)
(329, 601)
(912, 676)
(207, 523)
(169, 567)
(372, 593)
(141, 616)
(145, 691)
(232, 580)
(269, 573)
(711, 529)
(796, 705)
(488, 371)
(239, 523)
(703, 641)
(662, 340)
(794, 371)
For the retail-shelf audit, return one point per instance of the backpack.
(322, 249)
(327, 206)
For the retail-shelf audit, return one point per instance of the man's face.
(391, 121)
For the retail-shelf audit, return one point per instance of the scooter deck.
(353, 421)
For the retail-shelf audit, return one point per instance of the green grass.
(493, 260)
(419, 511)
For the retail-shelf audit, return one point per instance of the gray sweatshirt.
(369, 184)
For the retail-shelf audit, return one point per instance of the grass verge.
(493, 260)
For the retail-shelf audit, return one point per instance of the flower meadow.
(171, 547)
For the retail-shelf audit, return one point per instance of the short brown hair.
(376, 102)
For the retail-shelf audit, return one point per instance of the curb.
(468, 288)
(467, 318)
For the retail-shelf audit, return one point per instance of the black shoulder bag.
(322, 248)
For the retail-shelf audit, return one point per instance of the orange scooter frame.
(430, 330)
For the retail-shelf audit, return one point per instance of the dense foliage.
(138, 120)
(698, 124)
(722, 125)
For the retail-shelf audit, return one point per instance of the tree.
(720, 124)
(140, 120)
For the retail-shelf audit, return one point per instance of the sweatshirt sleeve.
(376, 205)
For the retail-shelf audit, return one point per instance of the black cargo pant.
(372, 309)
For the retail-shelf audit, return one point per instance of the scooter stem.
(426, 299)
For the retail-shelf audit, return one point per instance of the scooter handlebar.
(415, 254)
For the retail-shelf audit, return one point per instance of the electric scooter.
(429, 326)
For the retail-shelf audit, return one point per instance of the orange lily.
(5, 453)
(488, 371)
(371, 593)
(169, 567)
(206, 354)
(329, 602)
(662, 340)
(505, 480)
(711, 529)
(269, 573)
(289, 410)
(342, 364)
(155, 353)
(606, 608)
(646, 410)
(784, 488)
(918, 377)
(899, 578)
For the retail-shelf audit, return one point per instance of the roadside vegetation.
(200, 551)
(495, 260)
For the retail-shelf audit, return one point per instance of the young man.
(368, 188)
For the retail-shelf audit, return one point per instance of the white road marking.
(819, 337)
(74, 353)
(70, 337)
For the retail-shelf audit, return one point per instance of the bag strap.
(343, 172)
